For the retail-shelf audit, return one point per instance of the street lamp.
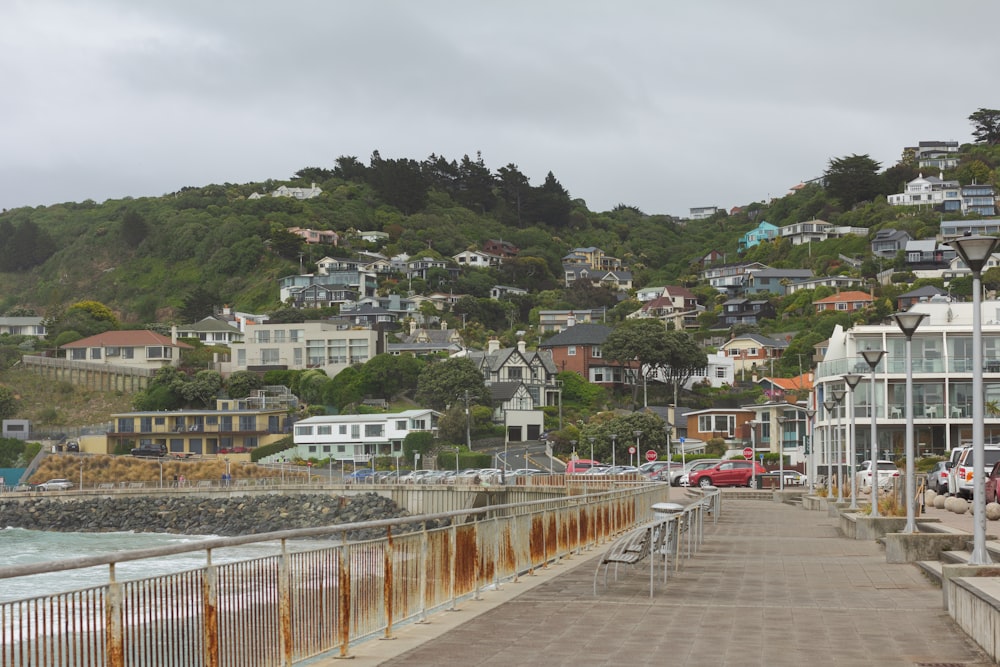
(838, 397)
(613, 437)
(811, 448)
(559, 386)
(591, 447)
(974, 251)
(829, 404)
(753, 445)
(872, 358)
(637, 434)
(908, 323)
(852, 380)
(782, 420)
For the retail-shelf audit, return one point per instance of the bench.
(204, 483)
(106, 486)
(136, 485)
(654, 540)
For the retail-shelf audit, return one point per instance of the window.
(595, 351)
(571, 350)
(324, 430)
(78, 354)
(514, 373)
(128, 353)
(158, 352)
(297, 356)
(374, 430)
(262, 336)
(112, 351)
(279, 336)
(126, 426)
(303, 430)
(269, 356)
(841, 306)
(248, 423)
(241, 356)
(342, 429)
(145, 424)
(355, 431)
(95, 353)
(400, 424)
(720, 371)
(717, 424)
(419, 425)
(296, 335)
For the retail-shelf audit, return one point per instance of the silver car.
(55, 485)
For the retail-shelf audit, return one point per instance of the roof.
(210, 323)
(762, 340)
(579, 334)
(804, 381)
(504, 391)
(784, 273)
(851, 295)
(926, 290)
(128, 338)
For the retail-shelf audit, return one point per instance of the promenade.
(772, 585)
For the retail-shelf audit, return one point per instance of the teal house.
(765, 231)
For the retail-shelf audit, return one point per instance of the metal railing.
(285, 608)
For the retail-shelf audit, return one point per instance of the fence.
(286, 608)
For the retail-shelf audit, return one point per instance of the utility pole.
(468, 423)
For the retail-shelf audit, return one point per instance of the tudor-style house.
(534, 370)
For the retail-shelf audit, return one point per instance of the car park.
(992, 484)
(887, 470)
(734, 472)
(55, 485)
(937, 477)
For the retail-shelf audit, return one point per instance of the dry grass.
(100, 469)
(55, 406)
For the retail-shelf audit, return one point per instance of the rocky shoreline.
(202, 516)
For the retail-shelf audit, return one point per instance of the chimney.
(571, 320)
(522, 346)
(173, 334)
(493, 346)
(413, 327)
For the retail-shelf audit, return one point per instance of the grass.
(55, 406)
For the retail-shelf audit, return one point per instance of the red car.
(727, 473)
(992, 482)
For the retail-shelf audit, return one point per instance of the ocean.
(19, 546)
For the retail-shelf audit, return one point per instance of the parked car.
(727, 473)
(937, 477)
(360, 475)
(149, 449)
(681, 476)
(963, 469)
(887, 470)
(55, 485)
(992, 482)
(650, 468)
(580, 466)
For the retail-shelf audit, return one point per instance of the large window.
(724, 425)
(374, 430)
(269, 356)
(303, 430)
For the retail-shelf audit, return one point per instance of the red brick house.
(578, 349)
(845, 302)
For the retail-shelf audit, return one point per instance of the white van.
(962, 472)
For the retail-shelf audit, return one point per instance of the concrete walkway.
(773, 585)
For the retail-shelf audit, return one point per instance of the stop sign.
(748, 453)
(651, 456)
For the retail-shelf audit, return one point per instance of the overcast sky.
(664, 105)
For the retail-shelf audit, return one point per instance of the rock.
(939, 502)
(929, 497)
(993, 511)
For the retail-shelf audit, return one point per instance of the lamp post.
(637, 434)
(591, 448)
(782, 420)
(829, 404)
(753, 445)
(908, 323)
(838, 397)
(559, 385)
(872, 358)
(613, 437)
(811, 448)
(974, 251)
(852, 380)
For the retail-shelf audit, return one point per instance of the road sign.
(651, 455)
(748, 453)
(631, 450)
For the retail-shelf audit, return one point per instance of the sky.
(663, 105)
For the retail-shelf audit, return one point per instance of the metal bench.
(652, 541)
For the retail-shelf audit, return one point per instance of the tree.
(446, 382)
(386, 375)
(198, 304)
(201, 390)
(243, 383)
(986, 126)
(853, 179)
(134, 228)
(673, 355)
(8, 403)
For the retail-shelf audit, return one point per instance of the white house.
(329, 345)
(360, 438)
(476, 259)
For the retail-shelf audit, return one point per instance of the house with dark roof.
(536, 371)
(752, 351)
(514, 407)
(578, 349)
(888, 242)
(773, 281)
(615, 279)
(139, 348)
(921, 294)
(746, 311)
